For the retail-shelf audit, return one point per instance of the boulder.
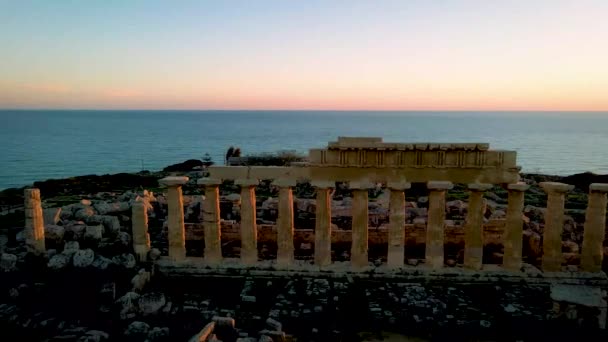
(102, 207)
(125, 260)
(122, 243)
(84, 258)
(101, 262)
(70, 248)
(137, 331)
(59, 261)
(128, 305)
(158, 334)
(140, 280)
(94, 233)
(151, 303)
(54, 233)
(111, 223)
(84, 213)
(154, 254)
(52, 215)
(273, 324)
(74, 230)
(534, 213)
(498, 214)
(8, 262)
(96, 335)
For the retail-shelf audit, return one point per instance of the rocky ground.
(89, 286)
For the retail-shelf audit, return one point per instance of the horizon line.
(314, 110)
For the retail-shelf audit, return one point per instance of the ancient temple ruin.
(366, 163)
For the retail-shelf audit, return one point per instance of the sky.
(341, 55)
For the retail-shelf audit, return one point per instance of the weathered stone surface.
(101, 262)
(34, 222)
(54, 233)
(125, 260)
(94, 233)
(58, 261)
(51, 215)
(8, 262)
(70, 248)
(84, 213)
(151, 303)
(84, 258)
(158, 334)
(137, 330)
(74, 230)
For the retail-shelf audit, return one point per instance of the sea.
(50, 144)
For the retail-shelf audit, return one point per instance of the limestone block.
(173, 181)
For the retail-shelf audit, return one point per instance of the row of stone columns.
(591, 258)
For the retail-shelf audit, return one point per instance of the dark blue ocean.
(38, 145)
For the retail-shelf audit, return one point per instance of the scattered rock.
(101, 263)
(96, 336)
(111, 224)
(140, 280)
(84, 258)
(70, 248)
(59, 261)
(74, 230)
(84, 213)
(137, 330)
(151, 303)
(54, 233)
(154, 254)
(8, 262)
(158, 334)
(94, 233)
(125, 260)
(273, 324)
(51, 215)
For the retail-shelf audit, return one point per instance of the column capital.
(555, 187)
(598, 187)
(439, 185)
(284, 183)
(173, 181)
(323, 184)
(247, 182)
(480, 186)
(403, 185)
(32, 193)
(361, 185)
(519, 186)
(209, 181)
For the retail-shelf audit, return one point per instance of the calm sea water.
(38, 145)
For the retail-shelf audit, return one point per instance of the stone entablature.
(373, 152)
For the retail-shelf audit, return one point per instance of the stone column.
(139, 223)
(249, 228)
(34, 222)
(358, 250)
(514, 226)
(554, 225)
(595, 229)
(323, 222)
(436, 223)
(473, 228)
(396, 227)
(177, 234)
(211, 220)
(285, 222)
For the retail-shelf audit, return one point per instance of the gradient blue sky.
(399, 55)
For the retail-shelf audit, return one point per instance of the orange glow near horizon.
(386, 55)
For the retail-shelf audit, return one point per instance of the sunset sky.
(366, 55)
